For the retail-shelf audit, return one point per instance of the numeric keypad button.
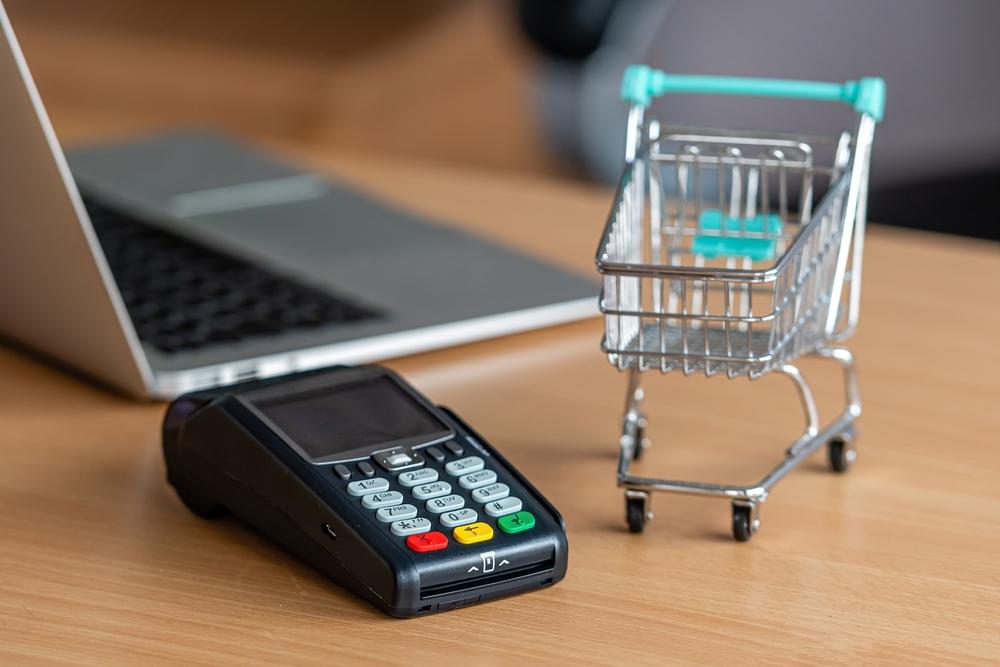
(428, 491)
(374, 501)
(485, 494)
(414, 477)
(411, 526)
(420, 476)
(474, 480)
(463, 466)
(365, 486)
(389, 514)
(459, 517)
(445, 503)
(503, 506)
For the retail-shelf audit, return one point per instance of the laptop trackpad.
(391, 259)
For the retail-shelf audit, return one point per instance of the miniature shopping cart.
(734, 254)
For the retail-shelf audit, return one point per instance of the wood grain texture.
(896, 561)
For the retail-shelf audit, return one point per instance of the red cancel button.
(432, 541)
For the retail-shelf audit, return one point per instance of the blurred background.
(531, 86)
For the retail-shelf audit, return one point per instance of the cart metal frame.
(736, 273)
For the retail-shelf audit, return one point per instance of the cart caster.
(745, 522)
(840, 451)
(637, 510)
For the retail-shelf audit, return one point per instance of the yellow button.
(473, 532)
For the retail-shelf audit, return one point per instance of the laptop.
(188, 260)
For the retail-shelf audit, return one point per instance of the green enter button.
(517, 522)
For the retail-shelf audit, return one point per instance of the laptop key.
(183, 296)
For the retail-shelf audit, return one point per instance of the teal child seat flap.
(718, 245)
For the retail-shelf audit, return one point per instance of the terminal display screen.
(351, 416)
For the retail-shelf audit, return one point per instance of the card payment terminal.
(359, 475)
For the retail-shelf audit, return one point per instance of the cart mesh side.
(715, 258)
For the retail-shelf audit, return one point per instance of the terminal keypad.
(463, 500)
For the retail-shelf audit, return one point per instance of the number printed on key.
(388, 514)
(414, 477)
(484, 494)
(373, 501)
(466, 465)
(445, 503)
(366, 486)
(474, 480)
(427, 491)
(459, 517)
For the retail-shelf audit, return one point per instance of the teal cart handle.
(642, 84)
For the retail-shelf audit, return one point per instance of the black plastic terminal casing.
(223, 457)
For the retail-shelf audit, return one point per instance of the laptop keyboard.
(184, 296)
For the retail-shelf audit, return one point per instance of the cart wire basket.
(731, 253)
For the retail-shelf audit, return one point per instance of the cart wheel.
(841, 452)
(744, 523)
(637, 510)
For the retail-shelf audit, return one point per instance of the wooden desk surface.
(897, 561)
